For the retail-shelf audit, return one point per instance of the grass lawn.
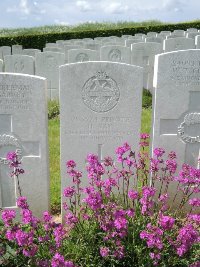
(54, 151)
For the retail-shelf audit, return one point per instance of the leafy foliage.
(38, 39)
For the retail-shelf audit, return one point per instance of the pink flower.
(172, 155)
(108, 161)
(24, 238)
(46, 216)
(93, 200)
(58, 260)
(8, 216)
(195, 202)
(70, 164)
(71, 219)
(69, 192)
(130, 213)
(30, 251)
(159, 152)
(120, 151)
(187, 236)
(59, 234)
(27, 216)
(148, 191)
(133, 194)
(195, 218)
(10, 234)
(11, 156)
(166, 222)
(120, 223)
(144, 136)
(171, 165)
(104, 251)
(22, 203)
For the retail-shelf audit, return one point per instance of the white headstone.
(197, 41)
(16, 49)
(51, 45)
(152, 34)
(140, 34)
(179, 43)
(30, 52)
(192, 30)
(192, 34)
(53, 49)
(92, 46)
(129, 42)
(115, 53)
(165, 33)
(154, 40)
(98, 38)
(23, 128)
(69, 47)
(59, 42)
(47, 65)
(139, 37)
(80, 43)
(81, 55)
(100, 109)
(1, 65)
(68, 42)
(143, 54)
(19, 64)
(5, 51)
(87, 39)
(177, 104)
(178, 33)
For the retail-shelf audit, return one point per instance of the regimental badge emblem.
(191, 119)
(82, 57)
(115, 55)
(100, 93)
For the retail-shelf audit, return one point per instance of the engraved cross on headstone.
(10, 142)
(101, 93)
(187, 128)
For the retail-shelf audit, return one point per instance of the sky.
(31, 13)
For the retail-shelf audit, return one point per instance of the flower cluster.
(124, 216)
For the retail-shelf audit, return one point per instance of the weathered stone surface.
(47, 65)
(177, 104)
(176, 119)
(1, 65)
(129, 42)
(19, 64)
(100, 109)
(23, 128)
(154, 40)
(30, 52)
(69, 47)
(115, 53)
(81, 55)
(5, 51)
(53, 49)
(143, 54)
(16, 49)
(179, 43)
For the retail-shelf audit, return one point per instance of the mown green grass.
(54, 150)
(54, 158)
